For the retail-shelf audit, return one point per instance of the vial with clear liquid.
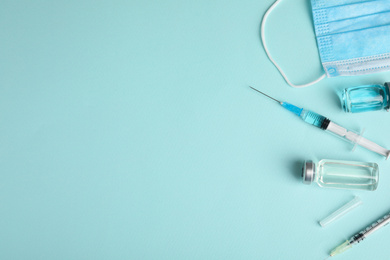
(366, 98)
(342, 174)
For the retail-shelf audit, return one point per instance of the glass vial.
(341, 174)
(366, 98)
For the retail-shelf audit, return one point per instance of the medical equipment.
(341, 174)
(366, 98)
(353, 204)
(351, 37)
(325, 124)
(361, 235)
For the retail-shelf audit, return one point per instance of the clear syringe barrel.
(324, 123)
(356, 138)
(371, 229)
(361, 235)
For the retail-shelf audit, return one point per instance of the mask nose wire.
(272, 60)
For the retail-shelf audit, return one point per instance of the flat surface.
(128, 131)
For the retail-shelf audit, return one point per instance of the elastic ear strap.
(272, 60)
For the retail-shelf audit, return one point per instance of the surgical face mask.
(353, 37)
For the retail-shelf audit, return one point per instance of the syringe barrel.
(356, 138)
(324, 123)
(376, 225)
(315, 119)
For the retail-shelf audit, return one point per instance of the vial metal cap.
(308, 172)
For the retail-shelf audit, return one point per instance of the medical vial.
(341, 174)
(366, 98)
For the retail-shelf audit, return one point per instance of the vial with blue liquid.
(366, 98)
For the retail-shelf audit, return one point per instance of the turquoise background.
(128, 131)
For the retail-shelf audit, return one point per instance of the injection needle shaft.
(265, 95)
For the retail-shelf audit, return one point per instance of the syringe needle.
(265, 95)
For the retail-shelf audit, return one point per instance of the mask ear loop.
(272, 60)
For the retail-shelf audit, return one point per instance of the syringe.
(325, 124)
(361, 235)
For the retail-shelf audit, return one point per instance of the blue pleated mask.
(353, 36)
